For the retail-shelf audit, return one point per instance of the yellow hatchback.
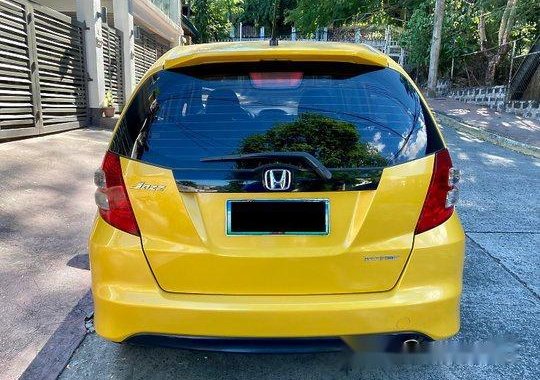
(293, 191)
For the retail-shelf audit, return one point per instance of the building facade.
(123, 38)
(60, 57)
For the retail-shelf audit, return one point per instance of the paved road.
(46, 209)
(500, 212)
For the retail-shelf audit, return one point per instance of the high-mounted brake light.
(276, 80)
(442, 194)
(111, 196)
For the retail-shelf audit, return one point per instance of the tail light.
(111, 196)
(442, 194)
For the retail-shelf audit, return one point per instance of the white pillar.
(123, 21)
(179, 40)
(293, 33)
(88, 12)
(261, 33)
(240, 33)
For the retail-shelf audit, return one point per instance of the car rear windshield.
(345, 115)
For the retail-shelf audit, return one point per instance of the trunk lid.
(185, 241)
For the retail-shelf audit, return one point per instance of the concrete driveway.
(46, 210)
(500, 212)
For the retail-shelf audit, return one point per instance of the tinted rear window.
(347, 116)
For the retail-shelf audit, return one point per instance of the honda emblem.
(277, 179)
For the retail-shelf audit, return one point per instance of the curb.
(491, 137)
(55, 355)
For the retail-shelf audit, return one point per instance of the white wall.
(87, 12)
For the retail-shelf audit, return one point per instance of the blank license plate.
(278, 217)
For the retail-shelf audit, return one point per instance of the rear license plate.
(278, 217)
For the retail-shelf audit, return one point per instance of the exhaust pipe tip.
(411, 345)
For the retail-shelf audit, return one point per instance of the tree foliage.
(499, 26)
(334, 142)
(458, 34)
(260, 13)
(309, 15)
(469, 25)
(213, 18)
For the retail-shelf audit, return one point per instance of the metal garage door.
(113, 68)
(17, 106)
(42, 75)
(62, 76)
(148, 48)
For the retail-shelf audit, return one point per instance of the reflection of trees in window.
(335, 143)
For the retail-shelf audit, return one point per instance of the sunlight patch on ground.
(493, 160)
(465, 137)
(463, 156)
(483, 112)
(458, 111)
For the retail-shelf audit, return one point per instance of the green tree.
(471, 26)
(260, 13)
(335, 143)
(212, 18)
(458, 36)
(309, 15)
(499, 22)
(484, 26)
(435, 49)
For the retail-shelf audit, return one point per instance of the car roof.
(253, 51)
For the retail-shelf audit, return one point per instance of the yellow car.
(293, 191)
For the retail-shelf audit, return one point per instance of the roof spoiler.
(234, 53)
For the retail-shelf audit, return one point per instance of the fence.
(493, 97)
(496, 97)
(42, 72)
(525, 70)
(517, 78)
(515, 68)
(383, 39)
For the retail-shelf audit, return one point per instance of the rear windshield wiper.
(315, 164)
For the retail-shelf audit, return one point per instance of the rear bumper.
(366, 343)
(128, 302)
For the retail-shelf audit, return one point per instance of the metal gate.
(42, 72)
(148, 48)
(113, 67)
